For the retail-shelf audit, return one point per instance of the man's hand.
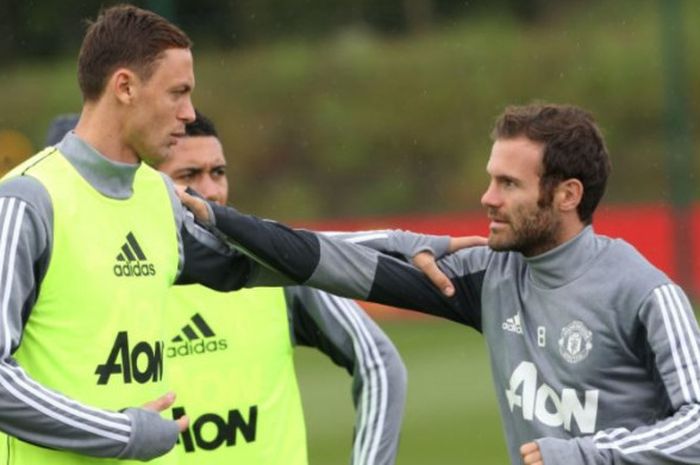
(193, 204)
(425, 261)
(164, 402)
(530, 453)
(458, 243)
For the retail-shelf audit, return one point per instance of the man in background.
(230, 355)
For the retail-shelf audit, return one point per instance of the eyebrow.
(188, 170)
(505, 177)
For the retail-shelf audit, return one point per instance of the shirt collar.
(110, 178)
(566, 262)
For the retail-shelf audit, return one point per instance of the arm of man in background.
(673, 346)
(31, 411)
(342, 330)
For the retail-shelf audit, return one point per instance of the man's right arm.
(351, 270)
(28, 410)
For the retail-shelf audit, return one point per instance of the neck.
(101, 127)
(567, 261)
(562, 231)
(570, 228)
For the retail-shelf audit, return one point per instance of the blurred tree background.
(358, 107)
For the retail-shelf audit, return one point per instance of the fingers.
(457, 243)
(161, 403)
(425, 261)
(530, 453)
(194, 204)
(182, 423)
(180, 189)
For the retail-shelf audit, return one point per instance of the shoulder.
(634, 278)
(632, 266)
(31, 192)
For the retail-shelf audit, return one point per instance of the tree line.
(34, 29)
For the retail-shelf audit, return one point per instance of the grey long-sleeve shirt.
(595, 353)
(36, 414)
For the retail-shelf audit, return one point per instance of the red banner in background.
(649, 228)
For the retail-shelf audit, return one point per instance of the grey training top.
(204, 259)
(340, 329)
(595, 353)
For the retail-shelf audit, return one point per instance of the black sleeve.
(352, 270)
(402, 285)
(212, 268)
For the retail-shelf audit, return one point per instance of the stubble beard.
(531, 232)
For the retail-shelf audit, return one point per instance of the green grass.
(451, 413)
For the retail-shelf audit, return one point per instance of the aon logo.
(142, 363)
(546, 405)
(211, 431)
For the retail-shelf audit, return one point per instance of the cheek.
(223, 190)
(524, 210)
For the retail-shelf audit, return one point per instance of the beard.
(530, 231)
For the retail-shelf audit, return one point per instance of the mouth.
(175, 137)
(497, 222)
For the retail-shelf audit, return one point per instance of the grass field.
(451, 413)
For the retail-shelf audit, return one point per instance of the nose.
(490, 197)
(210, 190)
(187, 113)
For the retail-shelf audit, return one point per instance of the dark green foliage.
(367, 124)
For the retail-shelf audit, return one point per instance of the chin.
(496, 245)
(155, 157)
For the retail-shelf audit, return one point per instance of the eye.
(187, 177)
(218, 172)
(179, 92)
(508, 183)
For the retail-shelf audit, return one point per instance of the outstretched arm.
(342, 330)
(352, 270)
(420, 249)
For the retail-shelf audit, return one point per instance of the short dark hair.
(124, 36)
(573, 149)
(201, 126)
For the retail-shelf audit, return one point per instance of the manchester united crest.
(575, 342)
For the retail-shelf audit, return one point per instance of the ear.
(123, 84)
(568, 194)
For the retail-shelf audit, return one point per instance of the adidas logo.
(193, 343)
(513, 324)
(131, 261)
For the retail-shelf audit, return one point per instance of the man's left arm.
(674, 339)
(342, 330)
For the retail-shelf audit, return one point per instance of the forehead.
(195, 152)
(519, 157)
(175, 66)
